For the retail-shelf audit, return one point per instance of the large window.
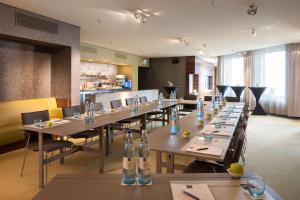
(237, 71)
(275, 76)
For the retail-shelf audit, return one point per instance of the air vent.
(36, 23)
(175, 60)
(89, 49)
(121, 56)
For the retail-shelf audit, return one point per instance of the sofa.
(10, 116)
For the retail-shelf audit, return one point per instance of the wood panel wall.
(161, 71)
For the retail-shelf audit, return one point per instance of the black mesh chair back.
(28, 118)
(69, 111)
(143, 99)
(129, 101)
(116, 103)
(239, 147)
(207, 98)
(232, 99)
(99, 106)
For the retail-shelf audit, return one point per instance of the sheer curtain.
(269, 69)
(231, 72)
(293, 79)
(263, 67)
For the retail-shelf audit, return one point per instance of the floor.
(272, 152)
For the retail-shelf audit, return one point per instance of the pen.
(202, 149)
(190, 195)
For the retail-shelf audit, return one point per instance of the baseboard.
(12, 146)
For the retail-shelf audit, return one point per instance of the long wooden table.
(161, 141)
(76, 126)
(108, 187)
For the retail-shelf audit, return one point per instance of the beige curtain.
(293, 79)
(254, 71)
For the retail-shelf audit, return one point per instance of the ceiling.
(108, 23)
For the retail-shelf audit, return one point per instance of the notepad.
(200, 191)
(214, 131)
(214, 147)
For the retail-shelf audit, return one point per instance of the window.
(237, 71)
(275, 76)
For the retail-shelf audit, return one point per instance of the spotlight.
(183, 41)
(142, 15)
(252, 10)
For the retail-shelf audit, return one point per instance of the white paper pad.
(228, 121)
(211, 128)
(59, 122)
(200, 191)
(215, 147)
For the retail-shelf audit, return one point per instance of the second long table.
(161, 141)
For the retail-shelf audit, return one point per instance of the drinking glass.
(37, 122)
(208, 136)
(218, 123)
(256, 186)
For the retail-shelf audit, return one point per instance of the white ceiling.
(220, 26)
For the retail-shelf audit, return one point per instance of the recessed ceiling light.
(242, 53)
(202, 50)
(252, 31)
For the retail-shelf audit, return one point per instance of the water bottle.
(160, 99)
(129, 176)
(136, 103)
(173, 122)
(177, 119)
(144, 167)
(220, 101)
(213, 103)
(87, 117)
(200, 108)
(174, 95)
(92, 112)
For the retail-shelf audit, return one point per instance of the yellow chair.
(10, 117)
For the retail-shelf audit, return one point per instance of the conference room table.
(161, 141)
(74, 126)
(108, 187)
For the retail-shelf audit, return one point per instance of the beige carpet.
(273, 151)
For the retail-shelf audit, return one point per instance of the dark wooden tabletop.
(108, 187)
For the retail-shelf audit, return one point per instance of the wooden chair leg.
(25, 155)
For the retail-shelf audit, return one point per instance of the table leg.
(170, 163)
(144, 122)
(168, 114)
(107, 140)
(101, 151)
(164, 117)
(61, 150)
(158, 162)
(41, 161)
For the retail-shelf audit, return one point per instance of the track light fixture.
(143, 15)
(252, 10)
(242, 53)
(183, 41)
(252, 31)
